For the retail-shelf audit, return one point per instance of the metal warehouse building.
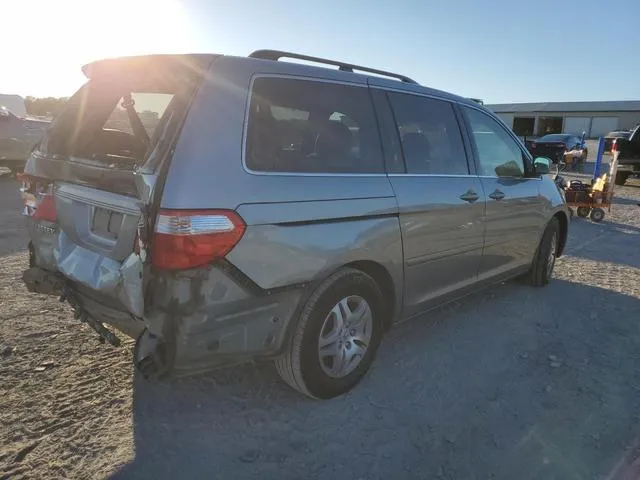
(595, 118)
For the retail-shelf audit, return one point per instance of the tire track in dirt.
(63, 421)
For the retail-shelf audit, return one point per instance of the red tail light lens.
(192, 238)
(37, 195)
(46, 209)
(614, 146)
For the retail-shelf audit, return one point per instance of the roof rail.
(345, 67)
(477, 100)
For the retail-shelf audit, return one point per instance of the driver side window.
(499, 155)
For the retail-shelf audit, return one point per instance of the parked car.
(628, 156)
(17, 138)
(528, 140)
(554, 146)
(611, 136)
(278, 211)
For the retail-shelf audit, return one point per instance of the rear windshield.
(554, 138)
(121, 116)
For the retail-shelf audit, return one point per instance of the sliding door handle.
(470, 196)
(497, 195)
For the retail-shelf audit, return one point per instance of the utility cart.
(591, 200)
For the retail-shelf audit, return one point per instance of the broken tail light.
(37, 194)
(192, 238)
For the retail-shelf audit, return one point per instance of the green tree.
(44, 107)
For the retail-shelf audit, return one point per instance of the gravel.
(514, 382)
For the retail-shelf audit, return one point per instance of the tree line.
(44, 107)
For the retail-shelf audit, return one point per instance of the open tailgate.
(90, 185)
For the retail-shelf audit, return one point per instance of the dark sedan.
(554, 145)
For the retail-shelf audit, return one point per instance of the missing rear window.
(119, 117)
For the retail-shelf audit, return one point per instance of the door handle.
(470, 196)
(497, 195)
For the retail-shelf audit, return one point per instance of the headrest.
(334, 138)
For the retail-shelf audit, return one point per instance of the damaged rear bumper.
(194, 321)
(94, 312)
(214, 316)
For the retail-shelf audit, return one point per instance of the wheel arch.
(380, 274)
(563, 220)
(383, 278)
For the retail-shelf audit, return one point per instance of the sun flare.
(57, 38)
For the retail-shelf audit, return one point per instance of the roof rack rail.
(345, 67)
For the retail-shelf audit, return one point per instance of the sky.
(498, 50)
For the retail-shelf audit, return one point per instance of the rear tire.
(545, 257)
(308, 363)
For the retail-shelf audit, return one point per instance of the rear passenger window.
(430, 134)
(306, 126)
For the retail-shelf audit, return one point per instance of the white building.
(594, 118)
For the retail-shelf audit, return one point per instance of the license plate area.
(106, 223)
(98, 221)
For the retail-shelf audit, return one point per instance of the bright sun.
(116, 27)
(55, 38)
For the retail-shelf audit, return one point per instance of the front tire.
(545, 258)
(336, 336)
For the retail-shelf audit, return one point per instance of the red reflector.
(191, 238)
(37, 194)
(46, 209)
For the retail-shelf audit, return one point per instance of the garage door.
(600, 126)
(577, 125)
(507, 118)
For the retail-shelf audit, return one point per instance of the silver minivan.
(224, 209)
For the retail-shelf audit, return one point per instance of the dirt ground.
(511, 383)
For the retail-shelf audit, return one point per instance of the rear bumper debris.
(39, 280)
(195, 321)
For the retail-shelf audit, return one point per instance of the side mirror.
(542, 165)
(4, 113)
